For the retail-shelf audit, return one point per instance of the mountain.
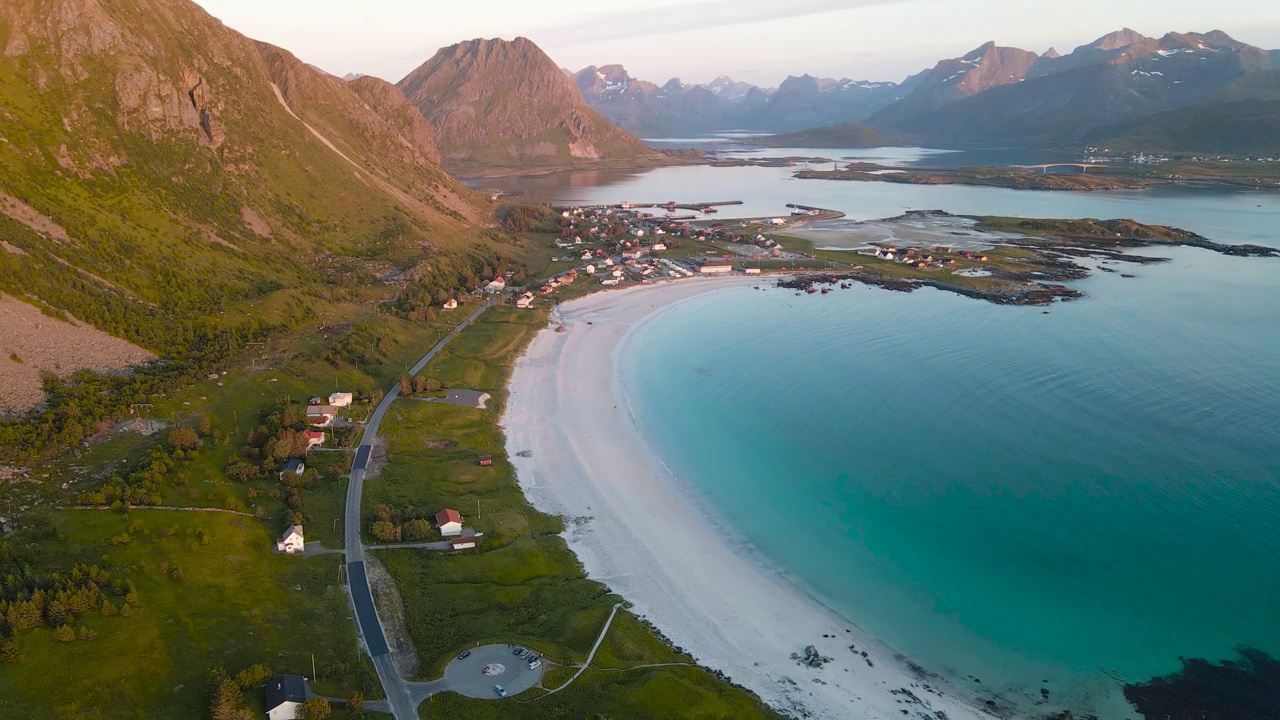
(495, 102)
(1239, 127)
(647, 109)
(1119, 77)
(986, 67)
(680, 109)
(164, 174)
(806, 102)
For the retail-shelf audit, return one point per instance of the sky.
(759, 41)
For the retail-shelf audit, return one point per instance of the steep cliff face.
(160, 167)
(494, 102)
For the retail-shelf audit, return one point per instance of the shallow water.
(1225, 215)
(1059, 501)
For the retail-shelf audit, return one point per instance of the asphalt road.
(399, 695)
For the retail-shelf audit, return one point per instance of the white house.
(450, 304)
(314, 438)
(658, 247)
(284, 693)
(496, 286)
(463, 543)
(752, 271)
(715, 267)
(291, 542)
(341, 399)
(449, 522)
(590, 269)
(525, 300)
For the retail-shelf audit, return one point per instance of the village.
(327, 413)
(612, 245)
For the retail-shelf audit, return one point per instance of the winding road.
(400, 694)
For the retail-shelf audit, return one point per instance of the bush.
(64, 634)
(316, 708)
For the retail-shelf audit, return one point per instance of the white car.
(534, 664)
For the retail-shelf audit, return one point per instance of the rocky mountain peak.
(1116, 40)
(500, 102)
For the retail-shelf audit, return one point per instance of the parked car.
(502, 692)
(464, 654)
(534, 664)
(518, 651)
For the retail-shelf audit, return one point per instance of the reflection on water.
(1222, 214)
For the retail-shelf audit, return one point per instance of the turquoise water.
(1054, 501)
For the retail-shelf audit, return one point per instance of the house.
(341, 399)
(291, 542)
(526, 299)
(314, 438)
(450, 304)
(485, 461)
(752, 271)
(715, 267)
(658, 247)
(463, 542)
(284, 693)
(634, 254)
(321, 415)
(590, 269)
(449, 522)
(496, 286)
(292, 467)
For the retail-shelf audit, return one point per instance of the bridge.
(1084, 167)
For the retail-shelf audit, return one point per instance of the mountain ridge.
(499, 102)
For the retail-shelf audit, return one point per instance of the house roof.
(447, 516)
(293, 465)
(463, 540)
(285, 688)
(312, 434)
(322, 410)
(292, 530)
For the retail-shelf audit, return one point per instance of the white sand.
(636, 529)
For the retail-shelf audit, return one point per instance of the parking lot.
(467, 676)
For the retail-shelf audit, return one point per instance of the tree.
(355, 703)
(384, 531)
(406, 385)
(64, 634)
(184, 438)
(228, 701)
(416, 529)
(203, 425)
(316, 708)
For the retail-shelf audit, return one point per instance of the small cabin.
(485, 461)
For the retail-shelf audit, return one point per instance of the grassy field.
(523, 584)
(235, 605)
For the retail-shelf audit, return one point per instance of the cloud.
(697, 16)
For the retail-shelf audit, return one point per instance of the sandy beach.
(636, 529)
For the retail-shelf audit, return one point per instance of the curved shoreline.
(636, 528)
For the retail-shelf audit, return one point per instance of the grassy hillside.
(848, 135)
(1243, 127)
(180, 186)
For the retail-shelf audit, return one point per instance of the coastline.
(636, 528)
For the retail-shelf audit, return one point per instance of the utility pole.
(313, 666)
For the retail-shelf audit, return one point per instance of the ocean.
(1028, 502)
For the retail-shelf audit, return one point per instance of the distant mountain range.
(992, 94)
(676, 108)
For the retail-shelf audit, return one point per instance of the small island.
(1004, 260)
